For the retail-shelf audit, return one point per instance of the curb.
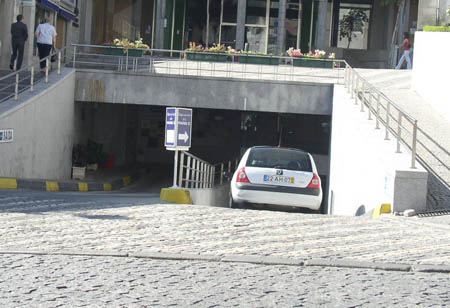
(176, 195)
(80, 186)
(323, 262)
(384, 208)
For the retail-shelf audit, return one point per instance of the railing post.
(369, 107)
(363, 95)
(356, 89)
(213, 176)
(197, 173)
(74, 55)
(16, 88)
(388, 111)
(221, 173)
(377, 126)
(188, 172)
(59, 62)
(180, 175)
(47, 65)
(352, 84)
(126, 61)
(399, 131)
(414, 146)
(32, 79)
(229, 166)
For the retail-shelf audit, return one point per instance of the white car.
(276, 176)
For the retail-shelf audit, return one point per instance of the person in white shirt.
(46, 36)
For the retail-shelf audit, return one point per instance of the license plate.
(279, 179)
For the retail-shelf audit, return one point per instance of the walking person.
(19, 35)
(46, 37)
(406, 54)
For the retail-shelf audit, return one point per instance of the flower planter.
(305, 62)
(206, 57)
(259, 60)
(78, 173)
(122, 52)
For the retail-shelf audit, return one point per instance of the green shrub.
(436, 29)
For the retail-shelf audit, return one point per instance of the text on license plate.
(278, 179)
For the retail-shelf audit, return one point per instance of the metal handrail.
(391, 116)
(194, 172)
(175, 62)
(31, 69)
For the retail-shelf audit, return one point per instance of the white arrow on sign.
(183, 137)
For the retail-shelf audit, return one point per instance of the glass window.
(279, 158)
(214, 21)
(122, 19)
(353, 31)
(228, 36)
(256, 12)
(230, 11)
(255, 37)
(292, 13)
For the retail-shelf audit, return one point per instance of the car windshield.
(279, 159)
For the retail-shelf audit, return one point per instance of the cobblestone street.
(74, 250)
(65, 281)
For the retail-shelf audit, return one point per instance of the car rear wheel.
(231, 203)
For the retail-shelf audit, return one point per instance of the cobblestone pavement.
(68, 281)
(137, 223)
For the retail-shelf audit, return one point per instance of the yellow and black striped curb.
(263, 260)
(176, 195)
(46, 185)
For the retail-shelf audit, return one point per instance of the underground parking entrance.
(133, 135)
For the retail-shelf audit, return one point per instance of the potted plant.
(133, 49)
(251, 57)
(311, 59)
(216, 53)
(79, 161)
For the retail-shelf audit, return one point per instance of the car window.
(279, 158)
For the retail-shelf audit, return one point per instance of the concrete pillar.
(427, 14)
(322, 22)
(86, 10)
(8, 13)
(29, 14)
(240, 24)
(160, 23)
(281, 42)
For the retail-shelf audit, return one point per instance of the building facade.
(266, 26)
(63, 14)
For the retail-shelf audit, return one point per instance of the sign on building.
(6, 135)
(178, 128)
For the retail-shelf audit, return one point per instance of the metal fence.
(399, 125)
(194, 172)
(24, 79)
(186, 63)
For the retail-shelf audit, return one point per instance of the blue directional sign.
(6, 135)
(178, 128)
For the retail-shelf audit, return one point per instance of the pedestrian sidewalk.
(99, 180)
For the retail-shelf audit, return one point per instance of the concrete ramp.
(365, 170)
(43, 130)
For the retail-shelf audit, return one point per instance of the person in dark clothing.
(19, 35)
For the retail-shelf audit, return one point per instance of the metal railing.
(179, 62)
(194, 172)
(25, 78)
(399, 125)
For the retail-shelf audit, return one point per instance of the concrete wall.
(431, 73)
(365, 171)
(196, 92)
(217, 196)
(432, 13)
(43, 132)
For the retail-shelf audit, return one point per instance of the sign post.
(178, 134)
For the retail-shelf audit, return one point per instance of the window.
(353, 29)
(279, 158)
